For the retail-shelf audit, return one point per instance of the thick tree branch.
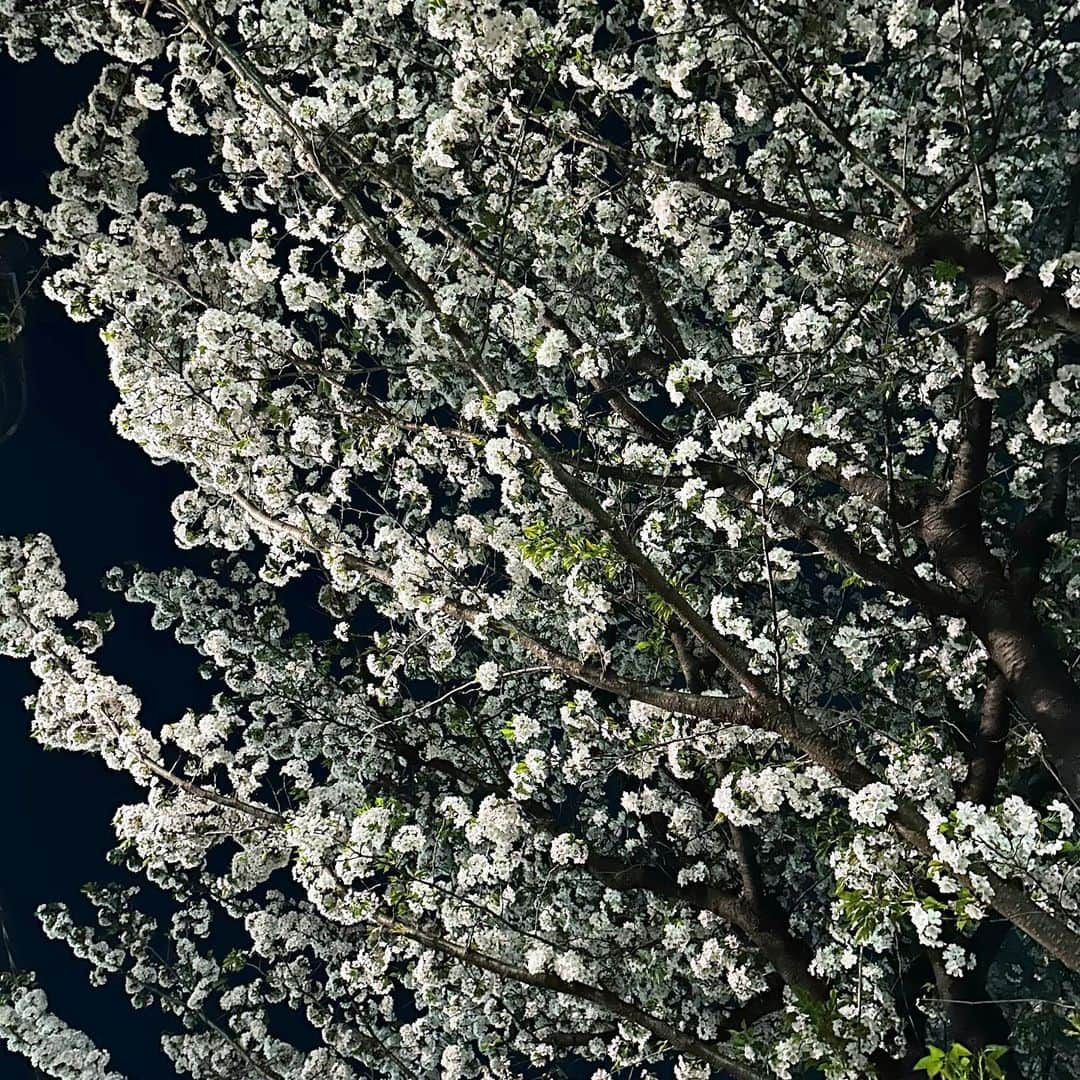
(1038, 682)
(796, 446)
(758, 916)
(988, 752)
(972, 455)
(612, 1003)
(932, 598)
(1031, 536)
(924, 245)
(652, 292)
(974, 1019)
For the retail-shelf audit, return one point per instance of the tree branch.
(931, 597)
(972, 455)
(988, 752)
(617, 1006)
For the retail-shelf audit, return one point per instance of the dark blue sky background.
(66, 473)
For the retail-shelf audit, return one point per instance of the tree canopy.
(674, 406)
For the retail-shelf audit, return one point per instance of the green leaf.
(933, 1062)
(235, 961)
(943, 270)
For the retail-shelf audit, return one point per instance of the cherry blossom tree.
(675, 406)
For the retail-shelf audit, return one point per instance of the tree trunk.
(1038, 683)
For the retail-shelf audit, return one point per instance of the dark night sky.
(65, 472)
